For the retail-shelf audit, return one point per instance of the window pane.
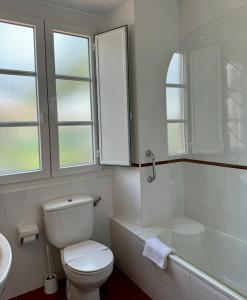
(175, 70)
(174, 103)
(176, 138)
(16, 47)
(73, 100)
(71, 55)
(75, 146)
(19, 151)
(17, 98)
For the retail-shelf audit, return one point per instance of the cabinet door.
(111, 50)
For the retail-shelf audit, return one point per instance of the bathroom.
(155, 164)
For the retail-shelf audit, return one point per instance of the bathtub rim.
(138, 232)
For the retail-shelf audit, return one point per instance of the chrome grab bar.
(149, 153)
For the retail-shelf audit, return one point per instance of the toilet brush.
(51, 284)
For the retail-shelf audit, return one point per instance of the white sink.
(5, 261)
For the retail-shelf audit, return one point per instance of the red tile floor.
(118, 287)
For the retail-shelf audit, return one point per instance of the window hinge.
(98, 153)
(41, 117)
(131, 116)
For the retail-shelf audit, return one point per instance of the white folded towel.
(157, 252)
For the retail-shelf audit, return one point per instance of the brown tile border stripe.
(216, 164)
(193, 161)
(164, 162)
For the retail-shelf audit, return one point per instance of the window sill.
(95, 172)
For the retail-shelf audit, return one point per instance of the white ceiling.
(99, 7)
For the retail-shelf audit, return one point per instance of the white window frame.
(184, 121)
(51, 27)
(40, 74)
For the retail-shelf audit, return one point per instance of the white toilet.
(87, 264)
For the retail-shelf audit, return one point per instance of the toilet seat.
(88, 258)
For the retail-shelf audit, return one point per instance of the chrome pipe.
(96, 200)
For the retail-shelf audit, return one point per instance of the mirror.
(206, 92)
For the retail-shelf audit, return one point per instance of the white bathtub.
(206, 264)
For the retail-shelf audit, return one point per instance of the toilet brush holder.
(51, 284)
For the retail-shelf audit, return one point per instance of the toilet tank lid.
(64, 203)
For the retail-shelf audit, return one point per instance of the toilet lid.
(87, 257)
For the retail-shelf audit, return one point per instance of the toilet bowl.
(87, 264)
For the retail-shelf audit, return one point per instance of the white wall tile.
(155, 196)
(220, 7)
(127, 194)
(150, 216)
(215, 196)
(163, 198)
(35, 199)
(165, 212)
(190, 22)
(60, 191)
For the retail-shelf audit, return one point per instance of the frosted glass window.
(176, 138)
(73, 100)
(175, 103)
(71, 55)
(19, 151)
(17, 98)
(175, 72)
(17, 47)
(75, 145)
(19, 123)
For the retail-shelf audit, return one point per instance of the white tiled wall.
(196, 13)
(216, 196)
(143, 203)
(220, 25)
(127, 194)
(29, 262)
(162, 199)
